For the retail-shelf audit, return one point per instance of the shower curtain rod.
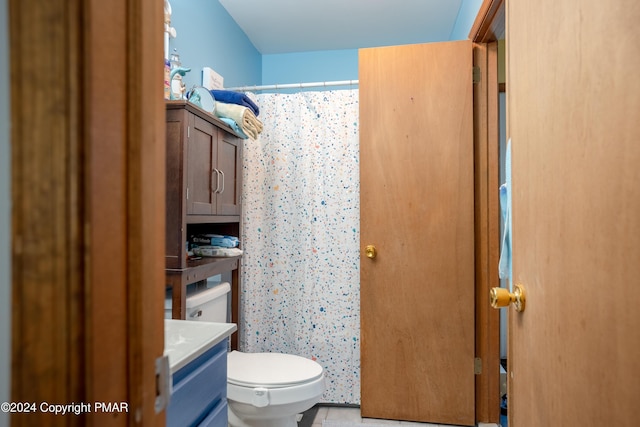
(295, 85)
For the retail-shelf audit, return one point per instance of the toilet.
(271, 389)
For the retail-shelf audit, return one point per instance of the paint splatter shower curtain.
(301, 272)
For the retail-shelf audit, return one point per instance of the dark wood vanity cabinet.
(204, 184)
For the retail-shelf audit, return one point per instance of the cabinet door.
(198, 388)
(202, 178)
(230, 167)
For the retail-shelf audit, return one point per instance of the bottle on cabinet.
(177, 85)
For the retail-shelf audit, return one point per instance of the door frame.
(87, 194)
(487, 29)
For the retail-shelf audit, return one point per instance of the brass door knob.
(501, 297)
(370, 251)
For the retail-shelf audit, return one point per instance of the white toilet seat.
(261, 379)
(270, 369)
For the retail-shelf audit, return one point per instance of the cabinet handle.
(222, 173)
(217, 180)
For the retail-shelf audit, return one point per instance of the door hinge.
(163, 383)
(476, 74)
(477, 366)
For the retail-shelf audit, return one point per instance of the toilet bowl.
(270, 389)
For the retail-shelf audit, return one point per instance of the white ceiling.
(285, 26)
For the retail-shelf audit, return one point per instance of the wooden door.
(202, 157)
(417, 294)
(87, 176)
(573, 109)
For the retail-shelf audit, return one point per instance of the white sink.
(185, 340)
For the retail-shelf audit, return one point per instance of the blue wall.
(321, 66)
(208, 36)
(466, 16)
(342, 64)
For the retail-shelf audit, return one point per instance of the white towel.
(243, 116)
(505, 267)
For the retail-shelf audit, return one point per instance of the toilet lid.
(270, 369)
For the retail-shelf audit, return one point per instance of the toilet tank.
(209, 305)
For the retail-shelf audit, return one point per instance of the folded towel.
(239, 98)
(233, 125)
(251, 124)
(243, 116)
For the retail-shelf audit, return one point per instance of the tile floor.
(353, 414)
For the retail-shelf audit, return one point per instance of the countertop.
(185, 340)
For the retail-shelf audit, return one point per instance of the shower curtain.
(300, 270)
